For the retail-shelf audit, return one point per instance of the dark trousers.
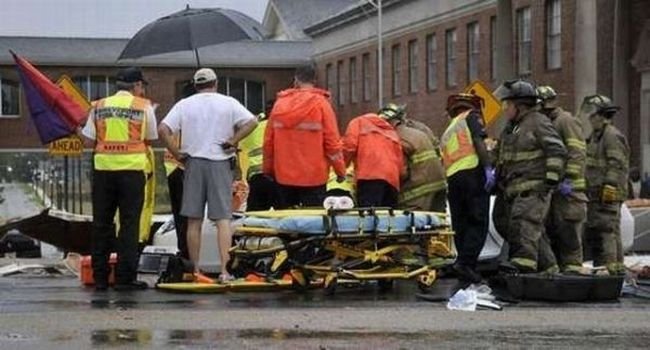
(305, 196)
(376, 193)
(469, 205)
(175, 185)
(262, 193)
(112, 190)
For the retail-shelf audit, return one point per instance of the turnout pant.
(564, 226)
(376, 193)
(262, 193)
(305, 196)
(520, 220)
(469, 205)
(603, 235)
(175, 185)
(112, 190)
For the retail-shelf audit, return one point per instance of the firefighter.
(530, 159)
(607, 170)
(568, 211)
(425, 176)
(439, 199)
(372, 144)
(470, 177)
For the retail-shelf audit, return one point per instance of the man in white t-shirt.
(212, 124)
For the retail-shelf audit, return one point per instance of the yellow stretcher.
(355, 245)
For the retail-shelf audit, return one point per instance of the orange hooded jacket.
(375, 148)
(302, 139)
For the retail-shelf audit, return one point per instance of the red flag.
(54, 113)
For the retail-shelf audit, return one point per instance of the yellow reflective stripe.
(466, 163)
(254, 170)
(134, 161)
(422, 190)
(117, 129)
(523, 186)
(578, 184)
(615, 154)
(596, 162)
(521, 156)
(552, 176)
(525, 262)
(553, 162)
(573, 169)
(576, 143)
(423, 156)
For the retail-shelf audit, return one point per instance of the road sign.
(67, 146)
(71, 145)
(491, 105)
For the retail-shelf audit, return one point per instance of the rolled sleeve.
(89, 129)
(151, 132)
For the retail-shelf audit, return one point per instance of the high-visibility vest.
(120, 124)
(458, 152)
(169, 161)
(253, 145)
(347, 185)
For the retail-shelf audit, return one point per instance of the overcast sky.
(100, 18)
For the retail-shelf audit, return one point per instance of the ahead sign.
(71, 145)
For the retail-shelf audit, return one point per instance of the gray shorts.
(207, 181)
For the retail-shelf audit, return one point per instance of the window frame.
(451, 56)
(367, 76)
(553, 35)
(493, 47)
(473, 50)
(353, 79)
(413, 60)
(396, 70)
(524, 44)
(432, 62)
(19, 98)
(340, 83)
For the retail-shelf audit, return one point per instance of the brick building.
(432, 48)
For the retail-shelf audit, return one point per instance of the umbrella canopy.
(191, 29)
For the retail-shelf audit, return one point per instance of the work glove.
(565, 188)
(608, 194)
(490, 178)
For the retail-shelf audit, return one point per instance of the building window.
(553, 34)
(10, 97)
(353, 80)
(432, 62)
(329, 80)
(523, 41)
(95, 87)
(493, 48)
(472, 51)
(450, 36)
(340, 82)
(413, 66)
(365, 71)
(395, 56)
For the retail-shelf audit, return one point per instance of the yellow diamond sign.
(491, 105)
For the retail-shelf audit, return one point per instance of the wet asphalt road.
(54, 312)
(16, 204)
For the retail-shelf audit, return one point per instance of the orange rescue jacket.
(374, 147)
(302, 139)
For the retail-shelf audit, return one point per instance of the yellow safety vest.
(458, 151)
(169, 161)
(347, 185)
(253, 146)
(120, 125)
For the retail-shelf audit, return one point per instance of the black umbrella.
(191, 29)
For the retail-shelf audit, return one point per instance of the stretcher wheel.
(330, 285)
(425, 280)
(385, 285)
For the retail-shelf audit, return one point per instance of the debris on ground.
(476, 295)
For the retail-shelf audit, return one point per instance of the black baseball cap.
(130, 75)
